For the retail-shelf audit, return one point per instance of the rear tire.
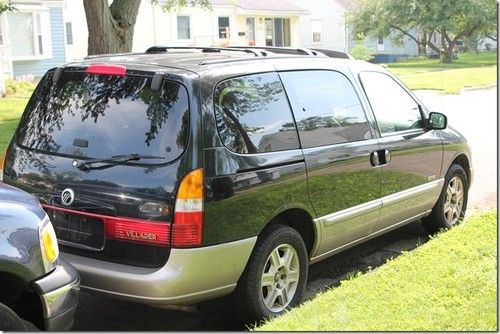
(9, 320)
(452, 203)
(275, 276)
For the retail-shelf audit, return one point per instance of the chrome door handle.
(387, 155)
(374, 159)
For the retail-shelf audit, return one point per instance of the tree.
(111, 27)
(419, 19)
(6, 6)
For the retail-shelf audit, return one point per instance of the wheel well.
(463, 162)
(300, 221)
(21, 298)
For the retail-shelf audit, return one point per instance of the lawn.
(470, 70)
(449, 283)
(10, 112)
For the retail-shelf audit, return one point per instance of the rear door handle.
(374, 159)
(380, 157)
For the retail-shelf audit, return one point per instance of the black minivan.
(180, 175)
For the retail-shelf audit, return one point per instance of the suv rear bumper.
(59, 295)
(189, 276)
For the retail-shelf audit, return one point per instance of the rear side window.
(253, 114)
(394, 109)
(327, 108)
(98, 116)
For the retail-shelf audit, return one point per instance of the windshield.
(97, 116)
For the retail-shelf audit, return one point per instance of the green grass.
(449, 283)
(6, 131)
(11, 110)
(470, 70)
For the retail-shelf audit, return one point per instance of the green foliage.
(171, 5)
(420, 18)
(449, 283)
(6, 6)
(19, 88)
(360, 51)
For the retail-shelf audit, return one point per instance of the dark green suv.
(180, 175)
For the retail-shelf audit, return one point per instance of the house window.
(183, 27)
(69, 33)
(317, 30)
(278, 32)
(223, 27)
(380, 44)
(29, 34)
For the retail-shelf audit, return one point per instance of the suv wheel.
(451, 205)
(275, 276)
(9, 320)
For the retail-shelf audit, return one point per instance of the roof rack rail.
(206, 49)
(333, 53)
(299, 51)
(280, 50)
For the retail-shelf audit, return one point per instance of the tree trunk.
(111, 28)
(422, 44)
(447, 45)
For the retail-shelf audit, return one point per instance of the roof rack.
(207, 49)
(280, 50)
(299, 51)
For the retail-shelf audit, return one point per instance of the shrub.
(18, 88)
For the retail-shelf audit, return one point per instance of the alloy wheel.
(454, 200)
(280, 278)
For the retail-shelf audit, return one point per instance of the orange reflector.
(2, 164)
(187, 226)
(191, 186)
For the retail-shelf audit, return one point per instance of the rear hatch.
(102, 147)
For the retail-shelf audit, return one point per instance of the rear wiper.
(114, 160)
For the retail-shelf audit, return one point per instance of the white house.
(324, 27)
(32, 38)
(241, 22)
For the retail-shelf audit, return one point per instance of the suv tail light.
(2, 164)
(187, 226)
(126, 229)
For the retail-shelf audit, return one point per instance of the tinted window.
(326, 108)
(394, 109)
(88, 115)
(253, 114)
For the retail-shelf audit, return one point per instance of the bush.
(360, 51)
(19, 88)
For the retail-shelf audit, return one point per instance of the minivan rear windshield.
(98, 116)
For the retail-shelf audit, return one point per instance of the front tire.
(452, 203)
(275, 276)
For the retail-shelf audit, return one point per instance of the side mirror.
(437, 121)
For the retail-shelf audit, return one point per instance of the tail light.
(127, 229)
(2, 164)
(187, 226)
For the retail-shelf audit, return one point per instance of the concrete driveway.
(474, 113)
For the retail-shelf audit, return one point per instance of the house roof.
(264, 5)
(346, 4)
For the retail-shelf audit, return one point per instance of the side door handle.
(380, 157)
(374, 159)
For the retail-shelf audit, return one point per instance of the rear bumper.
(190, 275)
(59, 295)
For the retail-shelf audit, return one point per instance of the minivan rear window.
(98, 116)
